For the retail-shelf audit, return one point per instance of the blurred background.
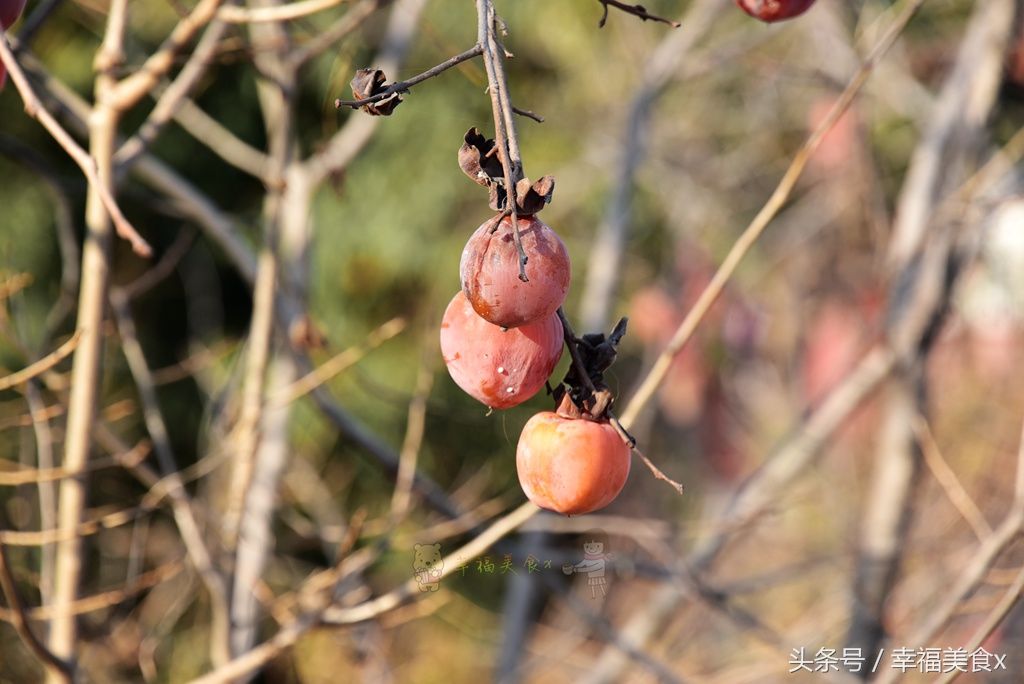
(665, 143)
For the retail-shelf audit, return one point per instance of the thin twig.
(404, 86)
(233, 14)
(1009, 599)
(505, 139)
(246, 433)
(105, 599)
(636, 10)
(528, 114)
(764, 217)
(289, 634)
(413, 441)
(34, 108)
(658, 474)
(53, 664)
(948, 480)
(11, 478)
(42, 365)
(337, 364)
(127, 93)
(173, 96)
(974, 572)
(344, 26)
(577, 362)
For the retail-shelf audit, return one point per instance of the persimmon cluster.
(502, 336)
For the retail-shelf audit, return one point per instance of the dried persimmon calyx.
(370, 82)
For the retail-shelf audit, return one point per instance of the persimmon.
(489, 270)
(10, 10)
(774, 10)
(498, 367)
(571, 465)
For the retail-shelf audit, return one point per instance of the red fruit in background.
(571, 466)
(774, 10)
(490, 272)
(499, 368)
(10, 10)
(3, 76)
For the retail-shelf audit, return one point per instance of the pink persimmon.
(497, 367)
(489, 271)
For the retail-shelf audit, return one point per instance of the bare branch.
(636, 10)
(404, 86)
(764, 217)
(53, 664)
(337, 364)
(128, 92)
(42, 365)
(233, 14)
(35, 109)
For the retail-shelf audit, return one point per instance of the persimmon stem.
(571, 341)
(658, 474)
(600, 402)
(505, 138)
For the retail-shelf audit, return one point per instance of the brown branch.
(55, 665)
(638, 11)
(126, 93)
(105, 599)
(404, 86)
(172, 97)
(1009, 599)
(655, 470)
(974, 572)
(948, 480)
(336, 364)
(505, 139)
(413, 441)
(528, 114)
(42, 365)
(768, 212)
(349, 22)
(34, 108)
(11, 478)
(577, 362)
(294, 10)
(290, 633)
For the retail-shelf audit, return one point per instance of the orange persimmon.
(571, 465)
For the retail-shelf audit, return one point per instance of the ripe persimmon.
(571, 465)
(489, 271)
(774, 10)
(498, 367)
(10, 10)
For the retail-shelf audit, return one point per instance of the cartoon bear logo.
(428, 565)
